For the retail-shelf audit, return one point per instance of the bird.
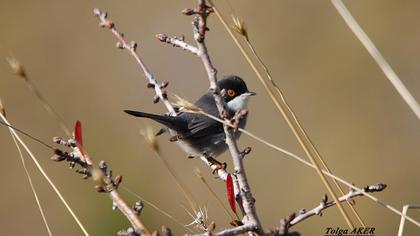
(198, 134)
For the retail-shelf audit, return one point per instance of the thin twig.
(177, 42)
(326, 204)
(131, 48)
(103, 178)
(234, 231)
(377, 56)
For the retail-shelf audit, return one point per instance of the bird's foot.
(218, 165)
(175, 138)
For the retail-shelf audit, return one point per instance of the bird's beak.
(251, 93)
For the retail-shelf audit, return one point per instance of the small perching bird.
(198, 134)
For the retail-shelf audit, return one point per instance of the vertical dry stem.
(199, 28)
(291, 119)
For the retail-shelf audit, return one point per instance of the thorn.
(164, 84)
(72, 164)
(103, 166)
(156, 99)
(162, 37)
(212, 227)
(114, 206)
(97, 12)
(188, 12)
(245, 152)
(166, 231)
(57, 158)
(138, 207)
(84, 172)
(150, 85)
(133, 45)
(117, 180)
(107, 24)
(324, 199)
(99, 188)
(120, 45)
(58, 140)
(236, 223)
(59, 155)
(165, 95)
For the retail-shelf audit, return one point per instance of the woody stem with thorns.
(103, 178)
(247, 202)
(302, 215)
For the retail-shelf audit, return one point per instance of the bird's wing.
(201, 125)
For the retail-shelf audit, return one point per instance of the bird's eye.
(231, 92)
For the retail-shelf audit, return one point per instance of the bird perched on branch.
(198, 134)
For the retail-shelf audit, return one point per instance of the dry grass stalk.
(151, 140)
(197, 172)
(20, 71)
(31, 184)
(154, 206)
(239, 27)
(377, 56)
(289, 116)
(327, 173)
(44, 174)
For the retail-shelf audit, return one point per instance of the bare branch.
(246, 199)
(233, 231)
(294, 219)
(104, 181)
(177, 42)
(131, 47)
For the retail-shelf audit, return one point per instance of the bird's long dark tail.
(168, 121)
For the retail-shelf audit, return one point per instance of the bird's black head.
(233, 87)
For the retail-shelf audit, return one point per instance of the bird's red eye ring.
(231, 92)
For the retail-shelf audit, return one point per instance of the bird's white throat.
(238, 103)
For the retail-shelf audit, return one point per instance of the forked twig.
(104, 181)
(294, 218)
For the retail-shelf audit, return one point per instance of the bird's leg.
(175, 138)
(219, 165)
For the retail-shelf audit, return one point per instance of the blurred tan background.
(352, 113)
